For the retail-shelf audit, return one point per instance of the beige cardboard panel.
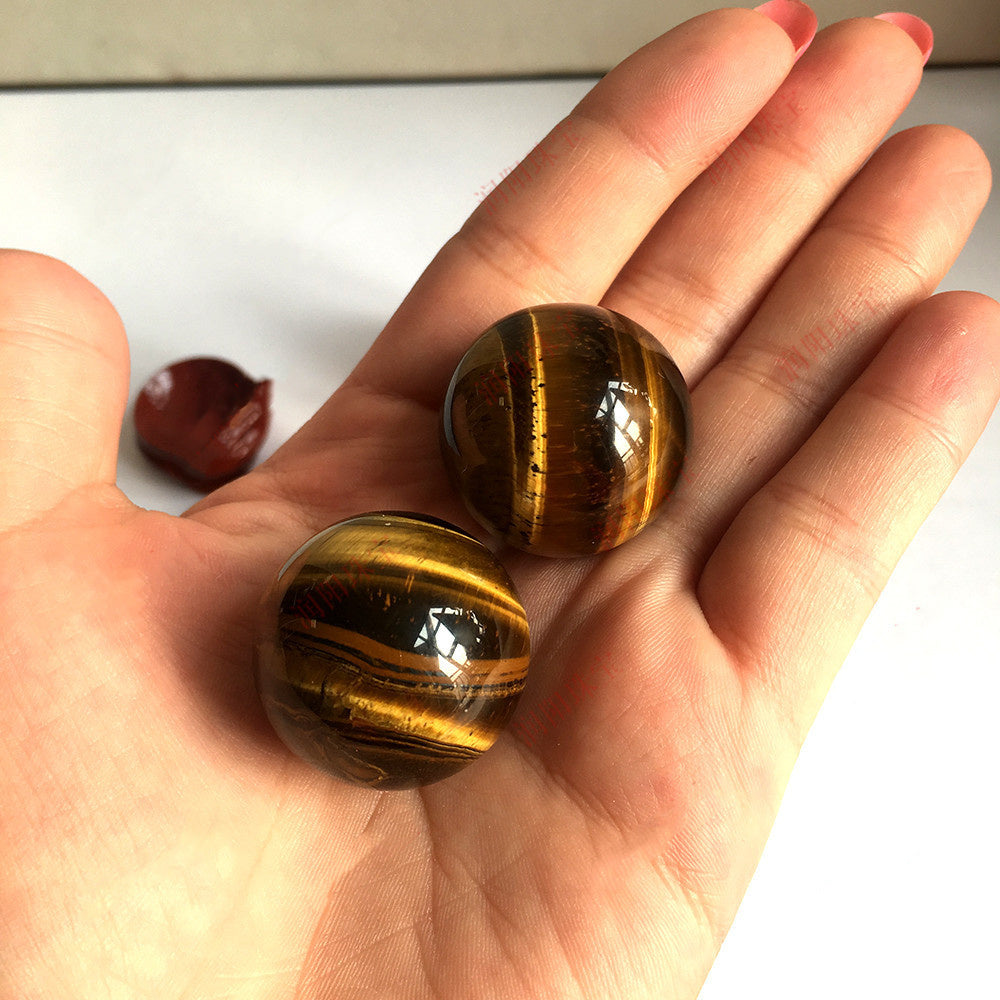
(69, 41)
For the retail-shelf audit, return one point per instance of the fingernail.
(795, 17)
(920, 31)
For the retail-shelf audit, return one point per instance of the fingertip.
(944, 358)
(917, 28)
(37, 288)
(954, 153)
(798, 20)
(961, 312)
(63, 383)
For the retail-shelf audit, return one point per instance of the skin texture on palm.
(156, 838)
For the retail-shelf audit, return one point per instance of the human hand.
(159, 841)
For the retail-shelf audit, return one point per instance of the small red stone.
(202, 420)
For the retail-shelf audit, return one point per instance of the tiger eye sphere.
(392, 650)
(565, 428)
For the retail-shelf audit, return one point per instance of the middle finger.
(704, 269)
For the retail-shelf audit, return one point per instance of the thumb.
(63, 385)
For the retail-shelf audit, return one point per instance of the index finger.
(564, 223)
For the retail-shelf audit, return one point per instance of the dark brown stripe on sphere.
(393, 650)
(564, 428)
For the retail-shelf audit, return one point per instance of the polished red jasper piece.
(203, 420)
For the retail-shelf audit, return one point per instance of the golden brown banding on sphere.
(565, 427)
(392, 650)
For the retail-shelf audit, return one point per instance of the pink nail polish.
(795, 17)
(919, 30)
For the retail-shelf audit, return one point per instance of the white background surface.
(281, 226)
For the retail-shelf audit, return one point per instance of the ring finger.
(880, 250)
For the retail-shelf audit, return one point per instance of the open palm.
(158, 841)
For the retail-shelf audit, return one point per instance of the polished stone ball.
(391, 650)
(565, 427)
